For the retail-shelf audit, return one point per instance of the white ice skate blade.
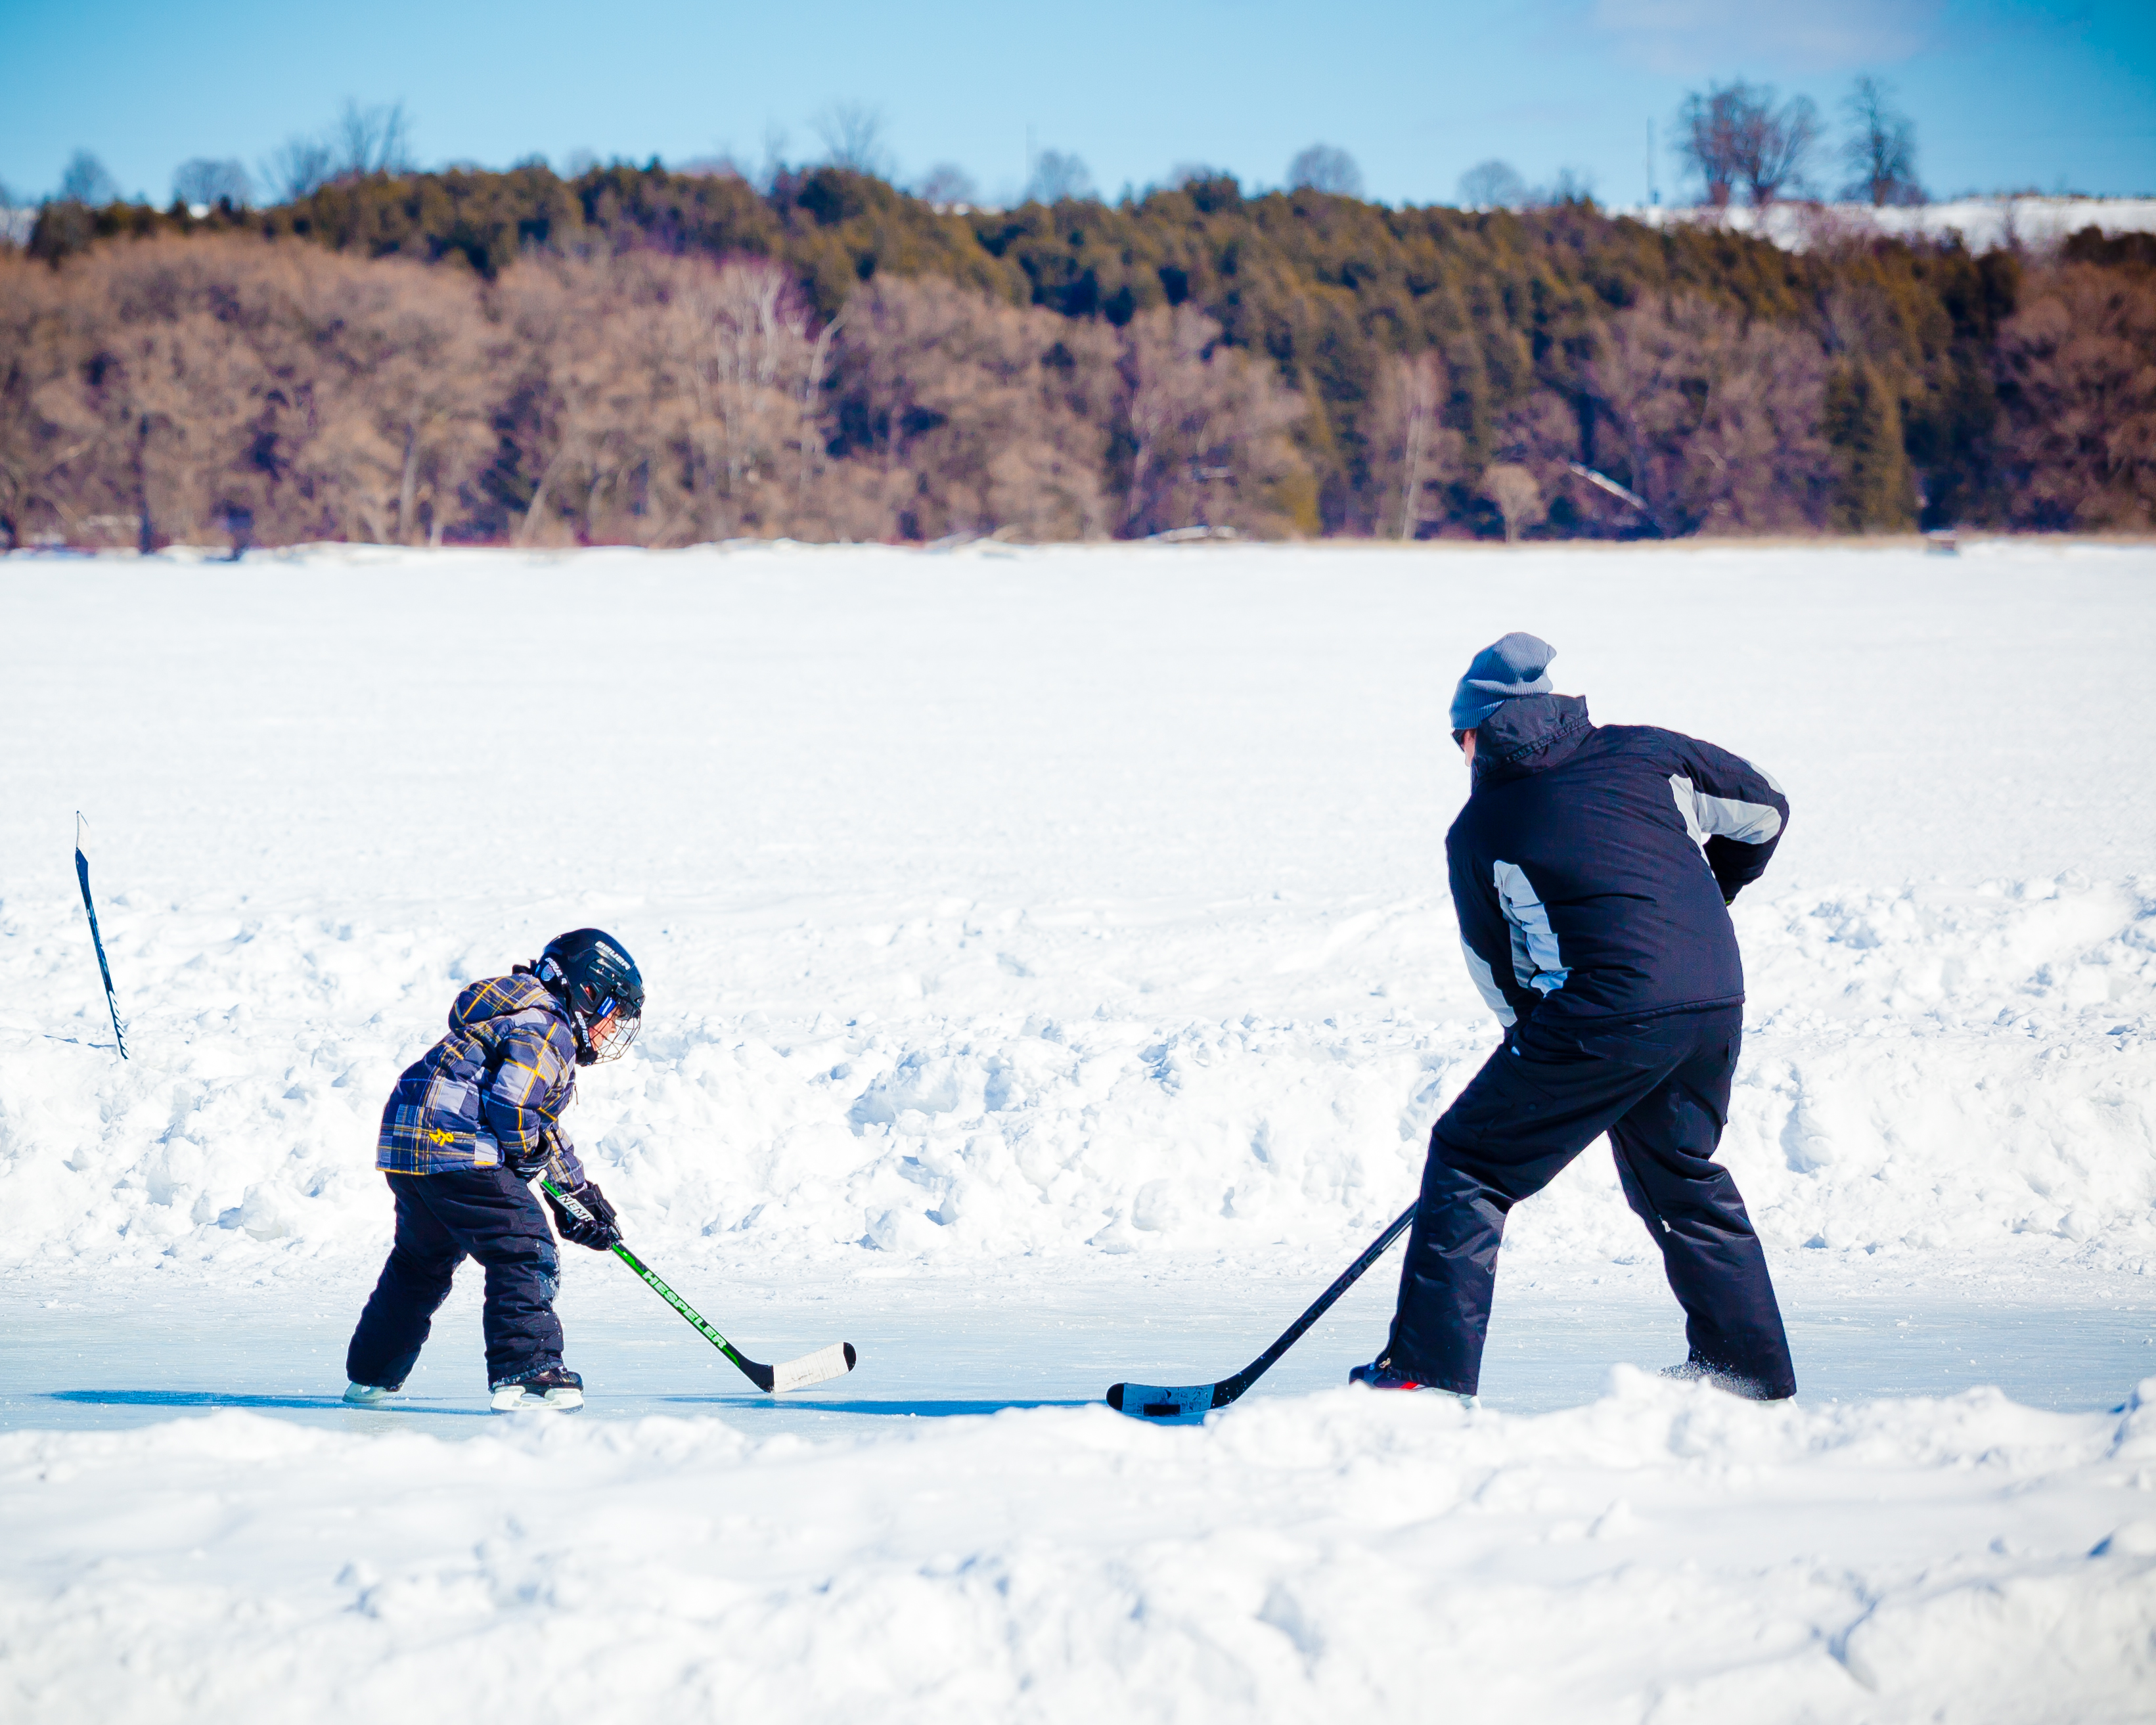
(818, 1368)
(516, 1399)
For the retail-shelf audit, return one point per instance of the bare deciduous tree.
(359, 141)
(1514, 490)
(587, 408)
(371, 141)
(946, 184)
(1492, 185)
(402, 423)
(298, 167)
(1778, 144)
(1324, 167)
(1207, 427)
(85, 179)
(1413, 453)
(753, 372)
(1058, 176)
(1881, 149)
(854, 137)
(1540, 434)
(203, 181)
(1573, 185)
(1737, 134)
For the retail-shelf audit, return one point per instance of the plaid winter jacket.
(491, 1090)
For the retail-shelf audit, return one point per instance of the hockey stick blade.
(811, 1368)
(1189, 1403)
(818, 1368)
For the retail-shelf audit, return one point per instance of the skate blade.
(1158, 1405)
(368, 1395)
(516, 1399)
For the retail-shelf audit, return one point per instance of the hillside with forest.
(639, 356)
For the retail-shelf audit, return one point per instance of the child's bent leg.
(506, 1231)
(400, 1312)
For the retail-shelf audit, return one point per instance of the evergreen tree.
(1873, 492)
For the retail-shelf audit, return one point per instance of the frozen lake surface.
(1053, 982)
(944, 1344)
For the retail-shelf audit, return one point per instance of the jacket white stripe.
(1486, 980)
(1706, 817)
(1536, 960)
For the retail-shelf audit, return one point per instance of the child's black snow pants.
(1660, 1087)
(485, 1213)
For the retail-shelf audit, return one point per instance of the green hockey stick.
(818, 1368)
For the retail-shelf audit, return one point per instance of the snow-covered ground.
(1981, 224)
(1053, 980)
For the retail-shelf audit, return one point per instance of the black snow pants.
(1660, 1087)
(485, 1213)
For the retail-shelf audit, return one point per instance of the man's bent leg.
(400, 1312)
(1449, 1275)
(1539, 1100)
(1664, 1149)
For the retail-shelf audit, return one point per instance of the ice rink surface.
(1053, 982)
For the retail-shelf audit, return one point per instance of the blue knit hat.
(1502, 671)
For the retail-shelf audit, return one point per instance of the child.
(470, 1124)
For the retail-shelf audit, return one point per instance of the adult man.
(1591, 871)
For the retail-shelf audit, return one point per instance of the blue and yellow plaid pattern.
(489, 1092)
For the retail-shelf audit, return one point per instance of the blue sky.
(2004, 93)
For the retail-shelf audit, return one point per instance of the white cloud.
(1691, 37)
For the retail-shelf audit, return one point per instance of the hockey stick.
(818, 1368)
(1193, 1401)
(97, 940)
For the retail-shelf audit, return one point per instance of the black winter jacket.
(1592, 865)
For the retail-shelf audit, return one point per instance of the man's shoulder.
(1630, 741)
(1651, 750)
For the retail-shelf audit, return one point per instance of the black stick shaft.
(97, 940)
(1229, 1388)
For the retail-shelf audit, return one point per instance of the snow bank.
(1664, 1550)
(1981, 224)
(1080, 902)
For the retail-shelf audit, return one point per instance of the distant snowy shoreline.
(1981, 224)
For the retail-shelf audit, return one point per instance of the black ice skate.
(555, 1387)
(1380, 1374)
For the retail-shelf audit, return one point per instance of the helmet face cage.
(608, 1026)
(599, 984)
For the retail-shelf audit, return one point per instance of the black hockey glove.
(595, 1228)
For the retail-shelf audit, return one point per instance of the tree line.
(640, 356)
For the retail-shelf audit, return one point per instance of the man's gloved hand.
(597, 1229)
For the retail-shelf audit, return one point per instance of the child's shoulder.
(503, 997)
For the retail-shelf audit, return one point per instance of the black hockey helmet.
(588, 971)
